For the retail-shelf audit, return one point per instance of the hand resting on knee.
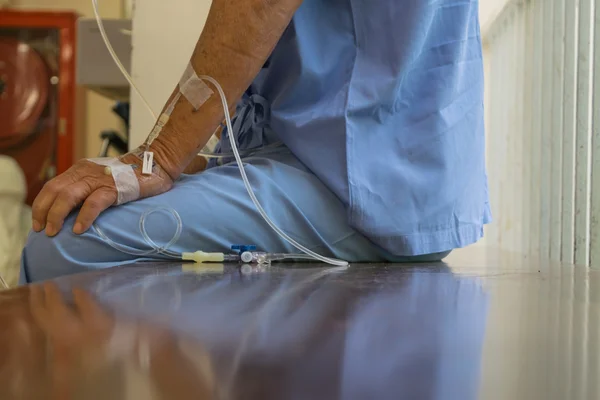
(87, 184)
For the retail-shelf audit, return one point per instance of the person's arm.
(237, 39)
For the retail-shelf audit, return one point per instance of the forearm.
(237, 39)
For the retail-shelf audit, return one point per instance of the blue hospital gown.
(383, 102)
(368, 125)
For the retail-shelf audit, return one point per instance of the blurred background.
(62, 98)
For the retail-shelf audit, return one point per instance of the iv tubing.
(281, 256)
(156, 249)
(233, 147)
(251, 192)
(113, 54)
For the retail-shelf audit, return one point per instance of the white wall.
(164, 36)
(543, 92)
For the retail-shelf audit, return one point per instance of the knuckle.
(109, 194)
(94, 204)
(50, 186)
(99, 202)
(65, 197)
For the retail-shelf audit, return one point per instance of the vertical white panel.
(545, 130)
(508, 230)
(546, 136)
(569, 130)
(536, 140)
(557, 64)
(582, 161)
(508, 132)
(595, 181)
(491, 83)
(519, 40)
(485, 241)
(527, 127)
(491, 137)
(501, 135)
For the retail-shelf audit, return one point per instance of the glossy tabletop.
(482, 324)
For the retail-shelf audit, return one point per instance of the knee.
(41, 258)
(46, 257)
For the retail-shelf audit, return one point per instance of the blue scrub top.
(383, 101)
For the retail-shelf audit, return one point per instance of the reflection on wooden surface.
(244, 333)
(496, 326)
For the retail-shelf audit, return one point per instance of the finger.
(69, 198)
(56, 305)
(44, 200)
(37, 305)
(97, 202)
(89, 310)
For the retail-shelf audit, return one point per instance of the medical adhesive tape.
(195, 91)
(193, 88)
(126, 182)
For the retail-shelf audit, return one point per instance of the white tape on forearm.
(193, 88)
(126, 182)
(195, 91)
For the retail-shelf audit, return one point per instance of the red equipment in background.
(37, 93)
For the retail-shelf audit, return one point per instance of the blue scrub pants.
(216, 212)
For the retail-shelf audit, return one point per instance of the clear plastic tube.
(233, 144)
(257, 204)
(117, 60)
(130, 80)
(266, 258)
(156, 249)
(281, 256)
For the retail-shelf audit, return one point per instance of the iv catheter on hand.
(164, 250)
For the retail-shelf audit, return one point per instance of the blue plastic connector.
(242, 248)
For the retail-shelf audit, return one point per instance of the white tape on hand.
(126, 182)
(148, 163)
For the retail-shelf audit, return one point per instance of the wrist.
(152, 184)
(167, 155)
(183, 135)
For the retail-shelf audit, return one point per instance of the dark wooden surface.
(481, 325)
